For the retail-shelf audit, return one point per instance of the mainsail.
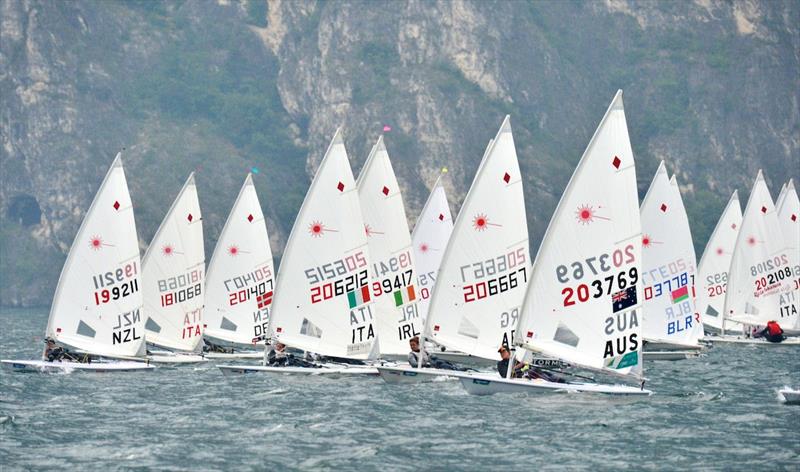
(323, 301)
(173, 276)
(789, 217)
(485, 268)
(393, 279)
(430, 237)
(668, 266)
(761, 272)
(582, 301)
(240, 281)
(97, 305)
(712, 273)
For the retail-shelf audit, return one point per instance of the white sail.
(174, 272)
(789, 217)
(97, 305)
(393, 279)
(322, 297)
(781, 196)
(761, 268)
(485, 268)
(668, 266)
(685, 236)
(240, 280)
(712, 273)
(585, 290)
(430, 237)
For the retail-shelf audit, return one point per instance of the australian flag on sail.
(623, 299)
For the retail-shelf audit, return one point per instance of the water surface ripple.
(715, 412)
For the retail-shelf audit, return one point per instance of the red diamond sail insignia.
(340, 187)
(250, 218)
(385, 190)
(190, 217)
(506, 177)
(664, 208)
(441, 217)
(763, 209)
(616, 162)
(116, 205)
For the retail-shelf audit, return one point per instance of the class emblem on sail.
(430, 237)
(582, 302)
(97, 305)
(484, 270)
(174, 272)
(322, 300)
(668, 266)
(392, 275)
(240, 281)
(712, 272)
(760, 279)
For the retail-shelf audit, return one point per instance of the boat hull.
(789, 396)
(66, 367)
(221, 356)
(171, 358)
(754, 341)
(327, 370)
(406, 375)
(491, 384)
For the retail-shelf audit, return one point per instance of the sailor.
(416, 354)
(773, 332)
(277, 356)
(51, 351)
(523, 369)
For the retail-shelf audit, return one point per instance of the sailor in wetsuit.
(277, 356)
(428, 360)
(522, 369)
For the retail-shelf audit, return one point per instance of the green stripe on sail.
(398, 298)
(351, 299)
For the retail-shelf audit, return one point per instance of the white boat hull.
(398, 375)
(789, 396)
(171, 358)
(327, 370)
(669, 355)
(755, 341)
(220, 356)
(67, 367)
(491, 384)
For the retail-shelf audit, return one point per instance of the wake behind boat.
(97, 306)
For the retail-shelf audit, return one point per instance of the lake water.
(719, 411)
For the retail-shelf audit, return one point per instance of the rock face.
(230, 87)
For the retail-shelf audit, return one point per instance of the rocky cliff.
(227, 87)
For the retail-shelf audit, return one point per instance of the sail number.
(242, 281)
(495, 286)
(767, 281)
(180, 281)
(495, 265)
(115, 293)
(392, 284)
(600, 287)
(245, 294)
(393, 264)
(596, 265)
(667, 286)
(769, 264)
(181, 295)
(339, 287)
(335, 269)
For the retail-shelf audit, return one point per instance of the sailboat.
(485, 268)
(173, 273)
(431, 234)
(789, 218)
(761, 276)
(323, 299)
(240, 282)
(583, 300)
(393, 283)
(671, 324)
(97, 306)
(712, 273)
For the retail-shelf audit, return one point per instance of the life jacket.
(774, 328)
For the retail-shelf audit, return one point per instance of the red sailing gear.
(774, 328)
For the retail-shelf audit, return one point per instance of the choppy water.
(715, 412)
